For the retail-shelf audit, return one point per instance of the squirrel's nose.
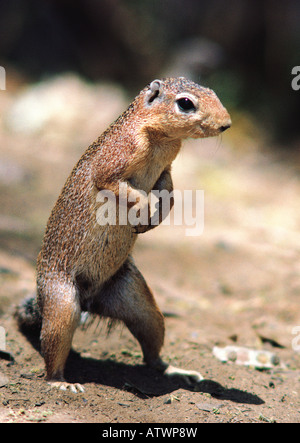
(224, 127)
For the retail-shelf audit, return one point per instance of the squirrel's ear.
(154, 91)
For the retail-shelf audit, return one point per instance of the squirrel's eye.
(186, 105)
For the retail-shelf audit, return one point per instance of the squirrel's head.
(181, 108)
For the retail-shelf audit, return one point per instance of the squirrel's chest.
(151, 165)
(145, 178)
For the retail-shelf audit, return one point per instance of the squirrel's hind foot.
(75, 388)
(191, 377)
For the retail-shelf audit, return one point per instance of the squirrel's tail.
(29, 318)
(28, 315)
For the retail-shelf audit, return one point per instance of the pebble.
(208, 407)
(246, 356)
(3, 380)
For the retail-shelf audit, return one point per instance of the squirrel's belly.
(105, 251)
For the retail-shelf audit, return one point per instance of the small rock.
(40, 403)
(7, 356)
(168, 401)
(27, 376)
(3, 380)
(246, 356)
(171, 399)
(125, 405)
(208, 407)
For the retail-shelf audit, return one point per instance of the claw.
(191, 377)
(75, 388)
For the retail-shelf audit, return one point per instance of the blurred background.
(245, 49)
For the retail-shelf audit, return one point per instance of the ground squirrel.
(85, 266)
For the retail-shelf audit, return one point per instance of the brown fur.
(85, 266)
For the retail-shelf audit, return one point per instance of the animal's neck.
(154, 153)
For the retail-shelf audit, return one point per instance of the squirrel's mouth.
(201, 131)
(207, 130)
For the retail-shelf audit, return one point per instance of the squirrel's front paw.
(140, 229)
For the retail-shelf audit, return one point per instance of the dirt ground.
(236, 284)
